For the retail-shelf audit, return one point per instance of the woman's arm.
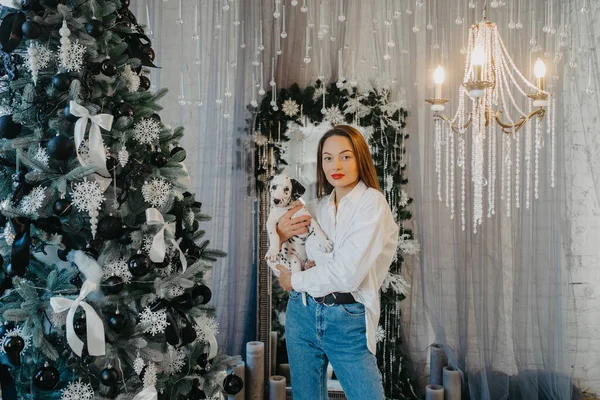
(288, 226)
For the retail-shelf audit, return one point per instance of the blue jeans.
(316, 334)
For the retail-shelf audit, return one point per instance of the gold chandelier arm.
(513, 128)
(455, 128)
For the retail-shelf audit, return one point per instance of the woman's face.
(339, 162)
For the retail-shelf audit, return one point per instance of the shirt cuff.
(298, 281)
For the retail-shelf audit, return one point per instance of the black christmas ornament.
(50, 3)
(196, 393)
(13, 345)
(144, 83)
(139, 265)
(194, 252)
(12, 270)
(162, 395)
(195, 225)
(159, 159)
(202, 361)
(109, 227)
(46, 377)
(202, 291)
(164, 264)
(8, 128)
(94, 28)
(62, 254)
(61, 81)
(155, 117)
(125, 238)
(123, 110)
(62, 207)
(117, 322)
(61, 147)
(67, 113)
(111, 163)
(180, 152)
(112, 285)
(1, 261)
(233, 384)
(79, 325)
(109, 376)
(149, 52)
(109, 67)
(31, 30)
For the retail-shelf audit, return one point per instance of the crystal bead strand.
(452, 170)
(517, 169)
(553, 141)
(528, 162)
(461, 156)
(490, 137)
(508, 174)
(447, 132)
(438, 152)
(536, 161)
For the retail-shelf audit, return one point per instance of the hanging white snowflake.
(9, 234)
(380, 334)
(132, 80)
(15, 332)
(44, 56)
(78, 391)
(75, 57)
(174, 361)
(138, 364)
(123, 156)
(156, 192)
(404, 199)
(318, 93)
(146, 130)
(260, 139)
(334, 116)
(150, 375)
(290, 108)
(87, 195)
(153, 322)
(389, 183)
(32, 202)
(408, 246)
(41, 155)
(396, 283)
(84, 151)
(175, 291)
(118, 267)
(205, 327)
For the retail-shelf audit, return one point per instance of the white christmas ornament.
(123, 156)
(150, 375)
(70, 54)
(174, 361)
(156, 192)
(118, 267)
(9, 234)
(78, 391)
(334, 116)
(87, 197)
(153, 322)
(33, 201)
(32, 62)
(138, 364)
(290, 108)
(146, 130)
(42, 156)
(380, 334)
(132, 80)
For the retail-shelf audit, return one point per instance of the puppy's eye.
(286, 189)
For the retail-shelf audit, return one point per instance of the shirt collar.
(353, 196)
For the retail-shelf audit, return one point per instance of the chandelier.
(497, 148)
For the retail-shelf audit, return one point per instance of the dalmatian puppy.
(285, 194)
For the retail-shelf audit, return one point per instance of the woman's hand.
(285, 278)
(309, 264)
(288, 226)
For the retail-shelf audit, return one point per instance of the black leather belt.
(335, 298)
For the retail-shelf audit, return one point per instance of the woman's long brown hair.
(366, 168)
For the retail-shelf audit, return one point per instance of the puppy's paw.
(326, 245)
(272, 255)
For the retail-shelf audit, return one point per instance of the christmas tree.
(101, 249)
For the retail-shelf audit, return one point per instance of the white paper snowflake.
(206, 326)
(290, 108)
(32, 202)
(74, 59)
(334, 115)
(174, 361)
(87, 196)
(78, 391)
(156, 192)
(319, 92)
(150, 375)
(396, 283)
(118, 267)
(84, 151)
(380, 334)
(175, 291)
(146, 130)
(138, 364)
(15, 332)
(44, 56)
(407, 245)
(41, 155)
(153, 322)
(9, 234)
(123, 156)
(132, 80)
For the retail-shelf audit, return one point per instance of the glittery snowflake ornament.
(290, 108)
(32, 202)
(70, 54)
(8, 234)
(380, 334)
(132, 80)
(150, 375)
(146, 130)
(87, 197)
(156, 192)
(334, 116)
(138, 363)
(41, 155)
(174, 361)
(153, 322)
(123, 156)
(118, 267)
(78, 391)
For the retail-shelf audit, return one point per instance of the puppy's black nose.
(276, 201)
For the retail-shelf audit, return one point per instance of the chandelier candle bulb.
(539, 70)
(438, 78)
(477, 59)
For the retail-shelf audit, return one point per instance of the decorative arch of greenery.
(367, 107)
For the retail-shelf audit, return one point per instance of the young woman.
(333, 307)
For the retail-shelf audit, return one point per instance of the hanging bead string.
(528, 161)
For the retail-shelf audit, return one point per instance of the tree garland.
(281, 118)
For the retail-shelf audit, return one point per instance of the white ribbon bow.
(149, 393)
(96, 146)
(95, 327)
(159, 247)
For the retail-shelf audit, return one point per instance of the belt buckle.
(329, 305)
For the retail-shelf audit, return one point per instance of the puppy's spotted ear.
(297, 189)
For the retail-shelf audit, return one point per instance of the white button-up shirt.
(365, 238)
